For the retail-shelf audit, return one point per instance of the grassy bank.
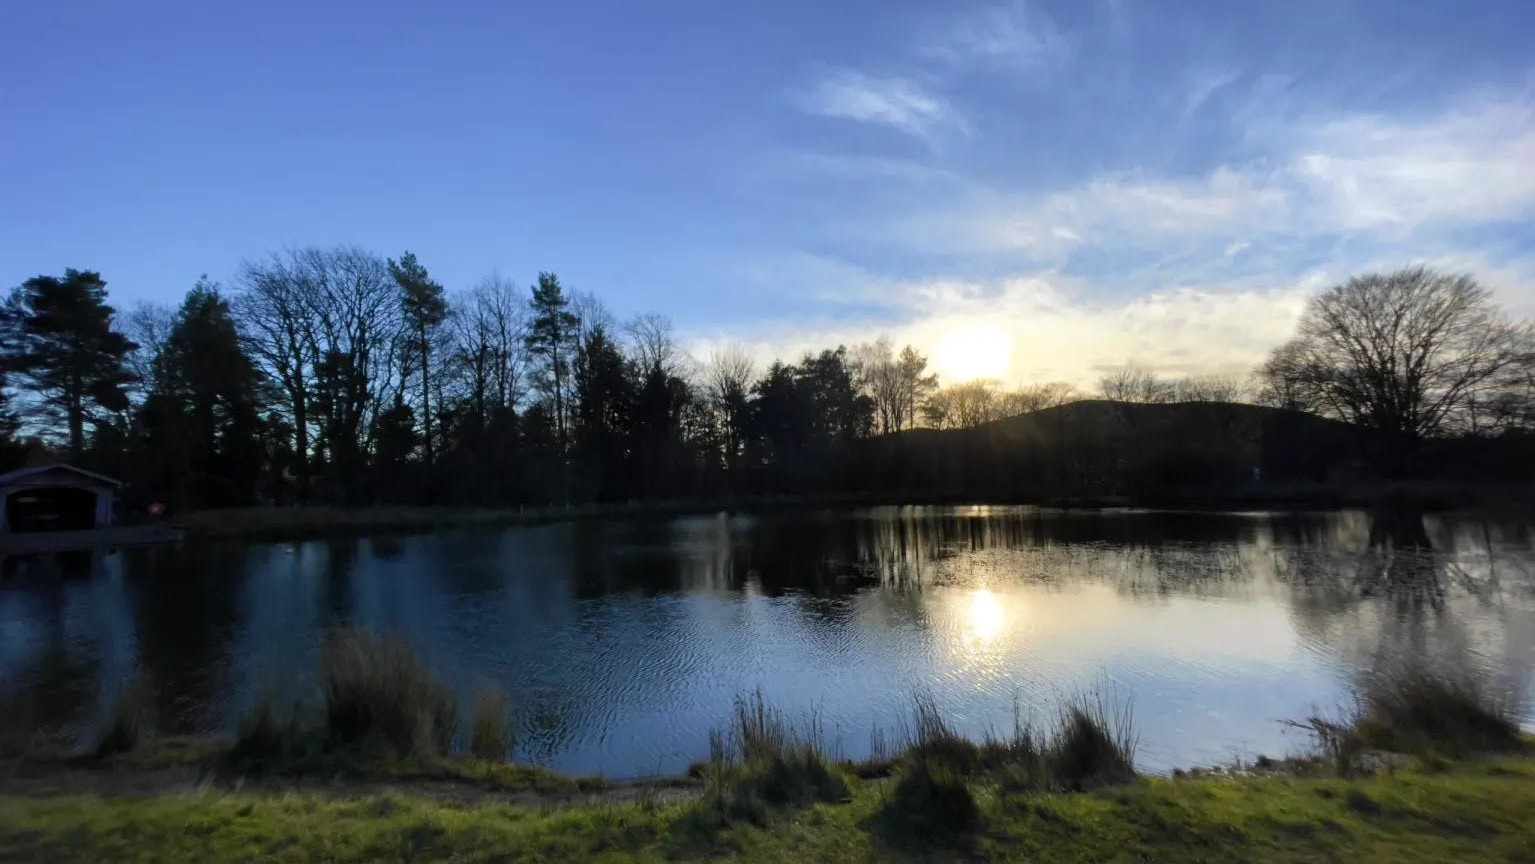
(1472, 811)
(1425, 767)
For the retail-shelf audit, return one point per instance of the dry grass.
(1422, 711)
(132, 720)
(491, 738)
(381, 698)
(1093, 745)
(764, 765)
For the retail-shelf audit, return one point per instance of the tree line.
(334, 375)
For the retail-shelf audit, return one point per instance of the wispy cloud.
(1203, 87)
(1185, 270)
(899, 103)
(1011, 34)
(1360, 177)
(1470, 165)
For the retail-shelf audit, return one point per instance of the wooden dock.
(47, 542)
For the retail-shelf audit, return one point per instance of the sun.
(974, 352)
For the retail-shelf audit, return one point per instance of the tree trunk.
(76, 427)
(301, 445)
(426, 396)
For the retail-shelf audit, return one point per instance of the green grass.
(1476, 810)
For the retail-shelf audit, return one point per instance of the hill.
(1104, 448)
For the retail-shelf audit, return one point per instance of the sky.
(1026, 190)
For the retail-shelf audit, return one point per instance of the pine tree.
(67, 355)
(425, 309)
(549, 339)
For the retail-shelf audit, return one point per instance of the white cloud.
(1470, 165)
(1105, 210)
(1350, 176)
(891, 101)
(1189, 274)
(1009, 34)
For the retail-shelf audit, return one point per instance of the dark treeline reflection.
(622, 641)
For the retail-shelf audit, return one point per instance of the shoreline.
(307, 522)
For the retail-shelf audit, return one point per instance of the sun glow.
(985, 618)
(974, 352)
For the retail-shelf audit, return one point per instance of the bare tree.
(1279, 381)
(964, 406)
(653, 344)
(274, 315)
(327, 327)
(1038, 397)
(1132, 383)
(727, 381)
(591, 315)
(1209, 388)
(898, 384)
(488, 328)
(1407, 353)
(149, 326)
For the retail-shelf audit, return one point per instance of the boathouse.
(56, 498)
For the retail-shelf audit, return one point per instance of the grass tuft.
(491, 738)
(268, 737)
(1094, 745)
(132, 720)
(379, 697)
(763, 765)
(1422, 712)
(932, 801)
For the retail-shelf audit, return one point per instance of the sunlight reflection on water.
(623, 642)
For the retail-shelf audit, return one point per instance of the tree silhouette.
(550, 333)
(1405, 353)
(204, 407)
(67, 354)
(425, 307)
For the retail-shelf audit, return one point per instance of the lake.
(623, 642)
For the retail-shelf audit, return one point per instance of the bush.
(491, 739)
(380, 698)
(132, 718)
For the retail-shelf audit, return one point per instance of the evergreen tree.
(67, 355)
(202, 420)
(604, 405)
(395, 439)
(549, 339)
(425, 309)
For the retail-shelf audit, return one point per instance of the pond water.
(623, 642)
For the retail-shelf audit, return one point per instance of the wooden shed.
(56, 498)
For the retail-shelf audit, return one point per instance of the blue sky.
(1101, 180)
